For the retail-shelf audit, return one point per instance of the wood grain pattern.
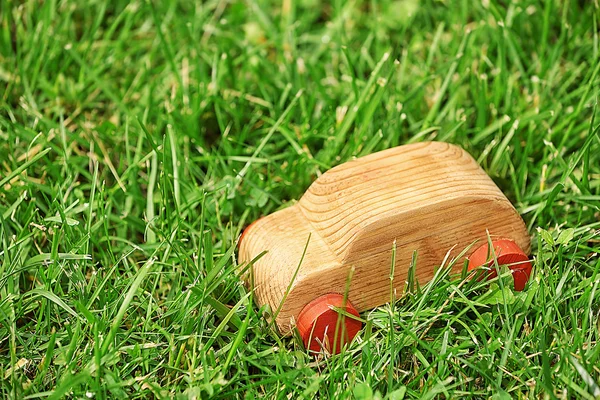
(430, 197)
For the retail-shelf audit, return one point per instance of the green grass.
(137, 140)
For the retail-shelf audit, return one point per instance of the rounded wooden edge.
(317, 323)
(246, 231)
(507, 253)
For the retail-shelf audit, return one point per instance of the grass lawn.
(137, 140)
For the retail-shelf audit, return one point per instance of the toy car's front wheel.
(321, 326)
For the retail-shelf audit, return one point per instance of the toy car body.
(431, 198)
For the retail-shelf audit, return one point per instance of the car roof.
(348, 198)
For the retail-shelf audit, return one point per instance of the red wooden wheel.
(508, 253)
(318, 320)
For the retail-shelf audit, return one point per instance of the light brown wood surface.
(429, 197)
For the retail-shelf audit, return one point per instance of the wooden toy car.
(427, 197)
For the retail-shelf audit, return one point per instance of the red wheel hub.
(507, 253)
(318, 320)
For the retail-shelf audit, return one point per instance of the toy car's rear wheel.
(318, 320)
(507, 253)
